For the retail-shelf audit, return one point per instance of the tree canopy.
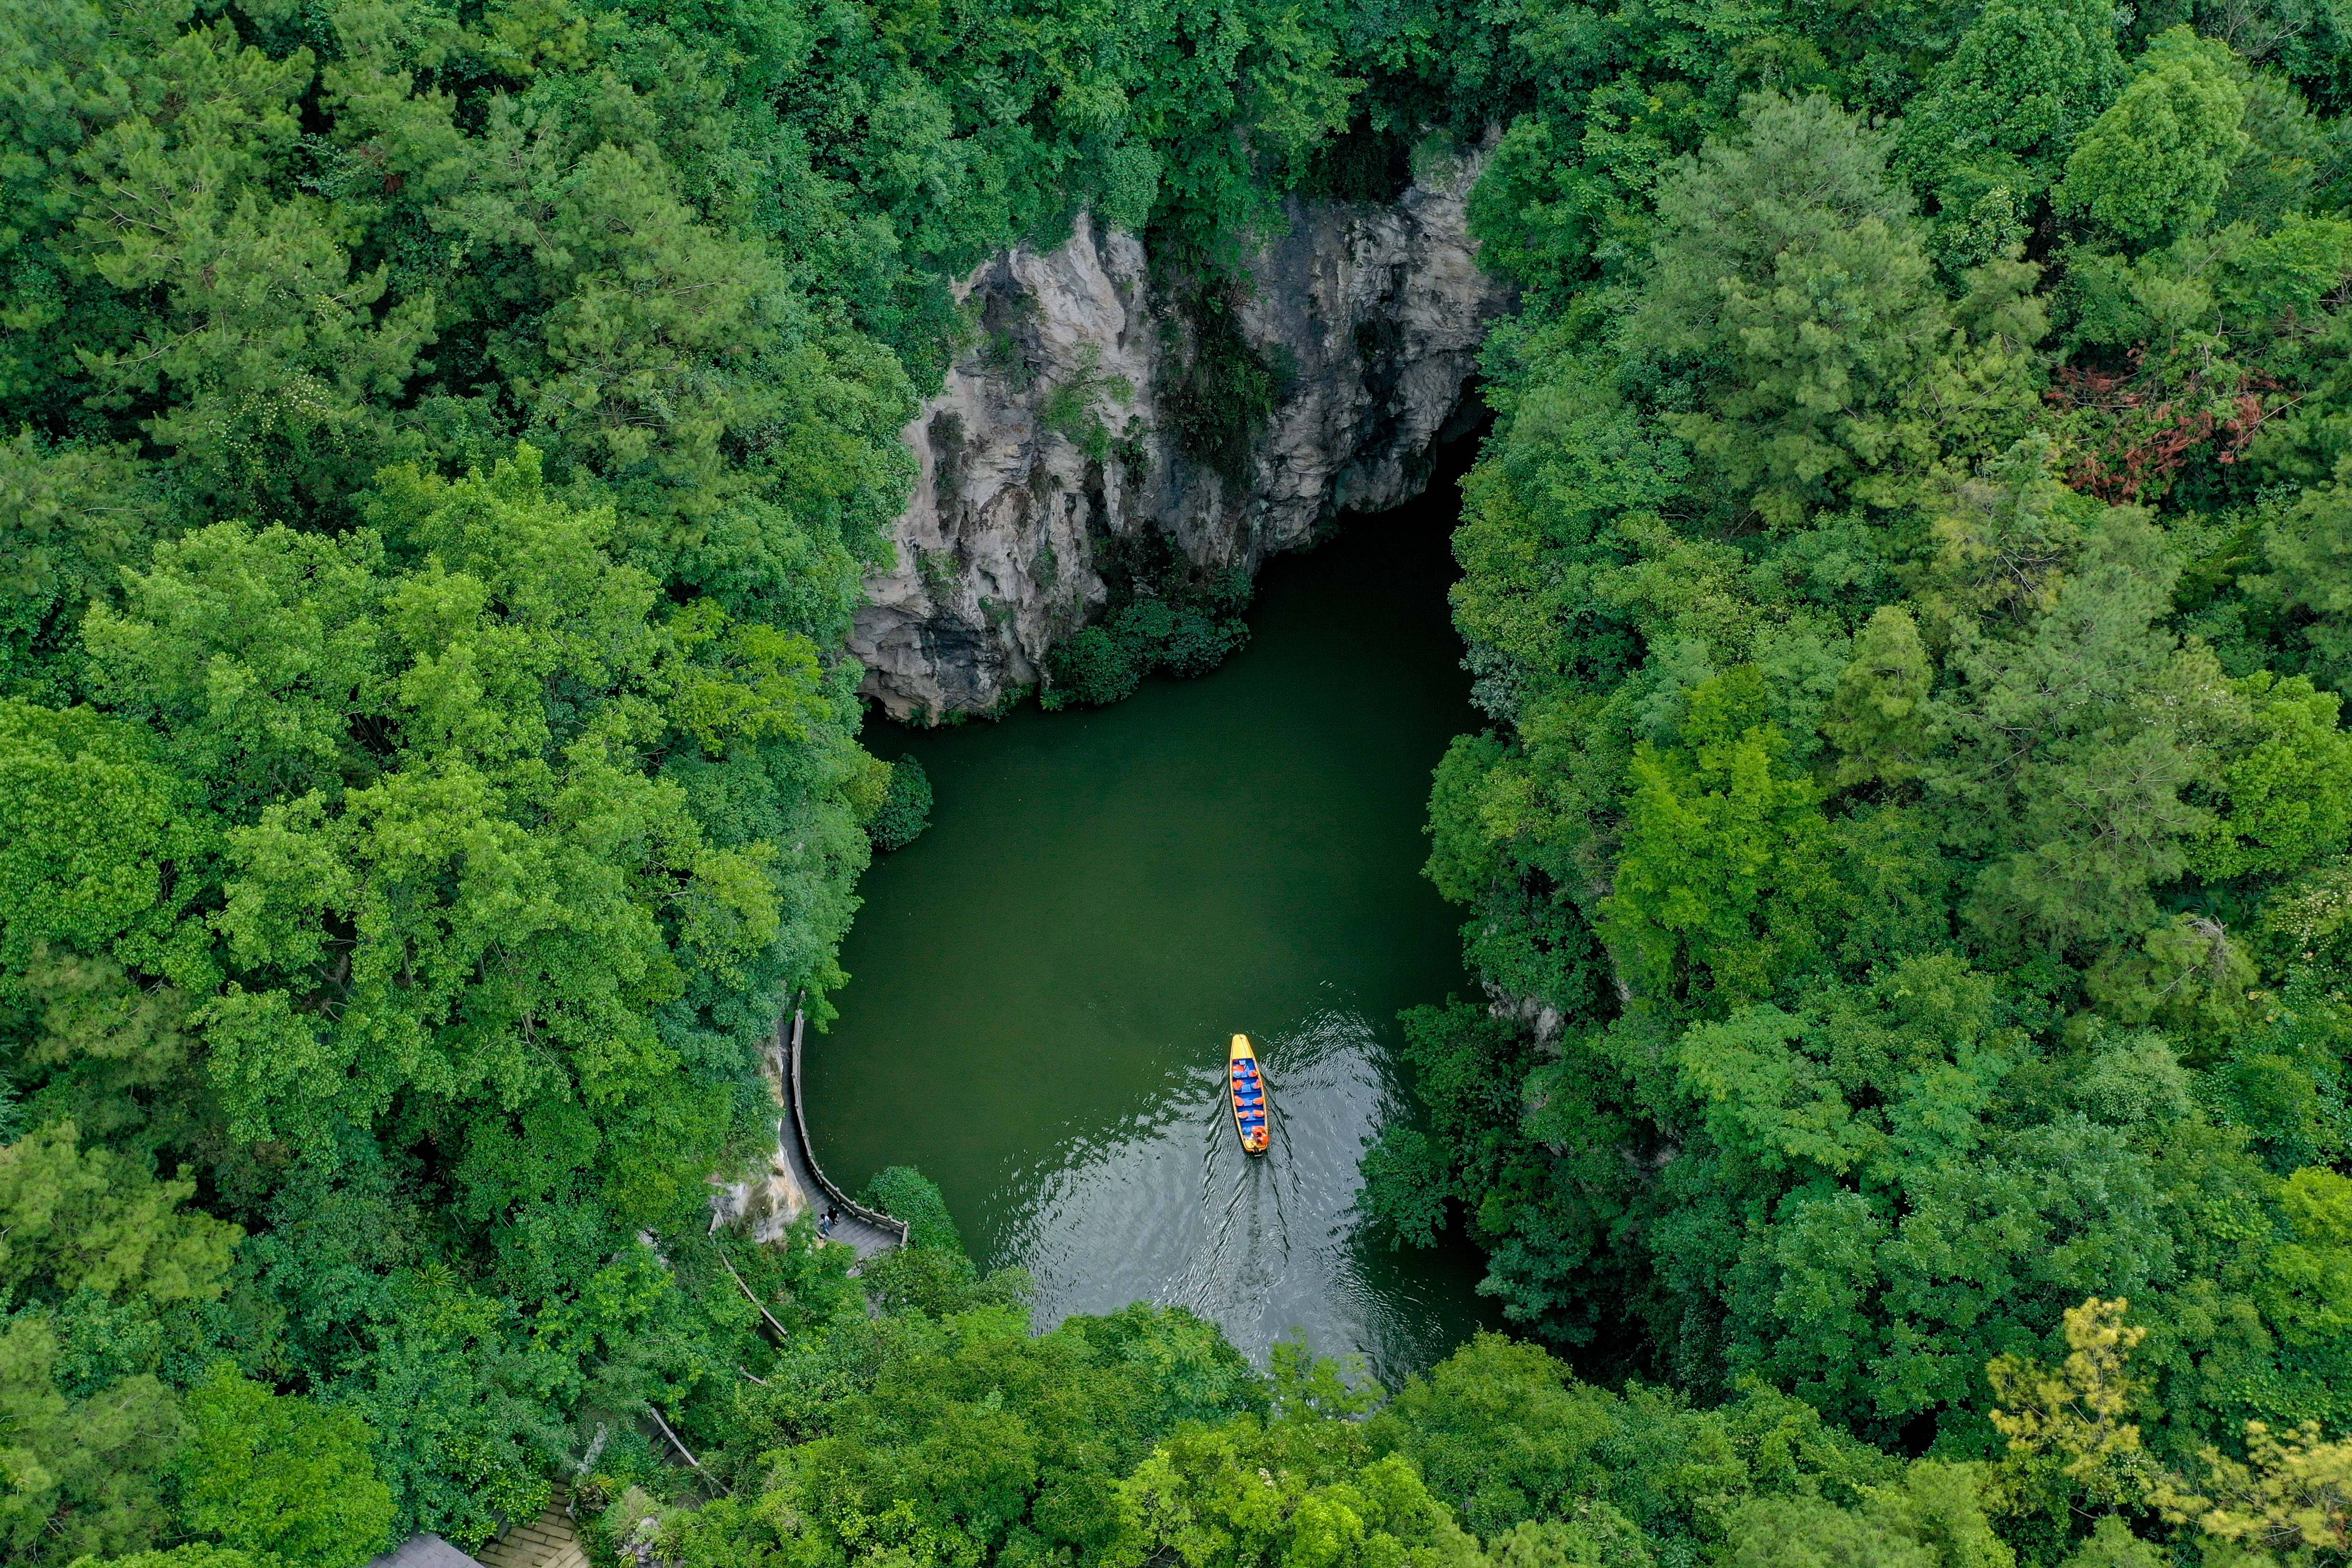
(1907, 854)
(1898, 582)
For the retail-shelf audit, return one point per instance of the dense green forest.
(1909, 580)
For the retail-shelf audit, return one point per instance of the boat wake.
(1172, 1210)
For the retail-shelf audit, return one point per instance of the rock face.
(1062, 432)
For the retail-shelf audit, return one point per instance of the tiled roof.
(428, 1551)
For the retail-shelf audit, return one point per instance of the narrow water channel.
(1043, 984)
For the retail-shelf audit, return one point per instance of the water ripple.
(1174, 1212)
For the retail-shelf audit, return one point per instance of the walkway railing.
(792, 1076)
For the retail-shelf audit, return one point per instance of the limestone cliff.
(1054, 435)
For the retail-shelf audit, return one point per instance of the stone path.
(765, 1206)
(868, 1230)
(548, 1541)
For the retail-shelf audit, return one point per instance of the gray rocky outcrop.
(1058, 431)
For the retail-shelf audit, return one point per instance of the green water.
(1043, 984)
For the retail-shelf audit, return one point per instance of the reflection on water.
(1170, 1209)
(1044, 983)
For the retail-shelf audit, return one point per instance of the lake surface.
(1042, 984)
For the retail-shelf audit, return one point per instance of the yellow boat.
(1246, 1085)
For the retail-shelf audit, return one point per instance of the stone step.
(550, 1540)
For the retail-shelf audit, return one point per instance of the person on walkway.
(824, 1224)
